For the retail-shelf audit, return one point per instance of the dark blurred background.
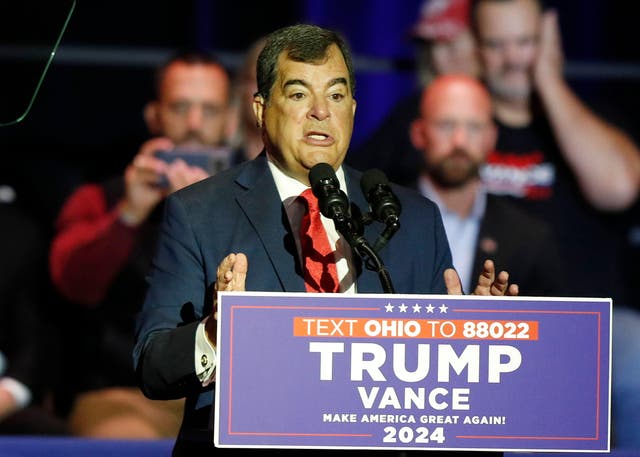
(86, 121)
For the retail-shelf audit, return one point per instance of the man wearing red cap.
(444, 40)
(444, 45)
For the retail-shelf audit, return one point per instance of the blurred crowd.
(523, 170)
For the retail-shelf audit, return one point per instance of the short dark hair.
(302, 43)
(190, 57)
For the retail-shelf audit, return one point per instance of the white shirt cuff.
(20, 393)
(205, 356)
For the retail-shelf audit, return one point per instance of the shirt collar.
(479, 203)
(289, 188)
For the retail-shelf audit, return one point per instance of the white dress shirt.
(462, 233)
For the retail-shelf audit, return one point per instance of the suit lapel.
(261, 203)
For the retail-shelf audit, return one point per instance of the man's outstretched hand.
(231, 276)
(232, 273)
(488, 282)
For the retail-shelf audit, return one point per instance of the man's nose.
(514, 54)
(460, 135)
(319, 108)
(195, 117)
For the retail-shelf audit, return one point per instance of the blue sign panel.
(361, 371)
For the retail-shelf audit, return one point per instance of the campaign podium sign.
(367, 371)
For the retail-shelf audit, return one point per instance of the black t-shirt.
(528, 166)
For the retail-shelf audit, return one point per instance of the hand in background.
(180, 174)
(142, 176)
(549, 63)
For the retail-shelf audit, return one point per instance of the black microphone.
(332, 201)
(334, 204)
(385, 206)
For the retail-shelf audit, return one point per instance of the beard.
(455, 170)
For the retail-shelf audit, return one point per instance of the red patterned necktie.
(318, 259)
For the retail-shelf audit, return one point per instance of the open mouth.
(318, 138)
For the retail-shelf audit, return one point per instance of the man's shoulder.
(227, 181)
(407, 195)
(416, 208)
(412, 196)
(216, 194)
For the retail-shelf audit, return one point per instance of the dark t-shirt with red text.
(528, 166)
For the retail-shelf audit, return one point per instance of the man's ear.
(152, 118)
(416, 133)
(258, 109)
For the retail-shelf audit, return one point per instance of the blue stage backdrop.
(378, 32)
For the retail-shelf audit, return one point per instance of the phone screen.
(212, 160)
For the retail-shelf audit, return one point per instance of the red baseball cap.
(441, 19)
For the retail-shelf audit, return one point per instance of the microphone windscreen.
(333, 202)
(322, 172)
(371, 179)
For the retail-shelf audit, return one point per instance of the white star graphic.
(403, 308)
(443, 308)
(389, 307)
(416, 308)
(429, 308)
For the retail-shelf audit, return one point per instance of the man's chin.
(190, 146)
(453, 179)
(317, 157)
(509, 84)
(452, 184)
(516, 92)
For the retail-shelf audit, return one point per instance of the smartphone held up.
(212, 159)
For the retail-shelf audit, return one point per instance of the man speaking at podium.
(257, 227)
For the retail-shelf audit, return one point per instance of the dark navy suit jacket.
(521, 244)
(239, 210)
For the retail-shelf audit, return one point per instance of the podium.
(364, 371)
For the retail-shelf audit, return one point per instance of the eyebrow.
(301, 82)
(296, 82)
(335, 81)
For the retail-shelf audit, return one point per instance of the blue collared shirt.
(462, 233)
